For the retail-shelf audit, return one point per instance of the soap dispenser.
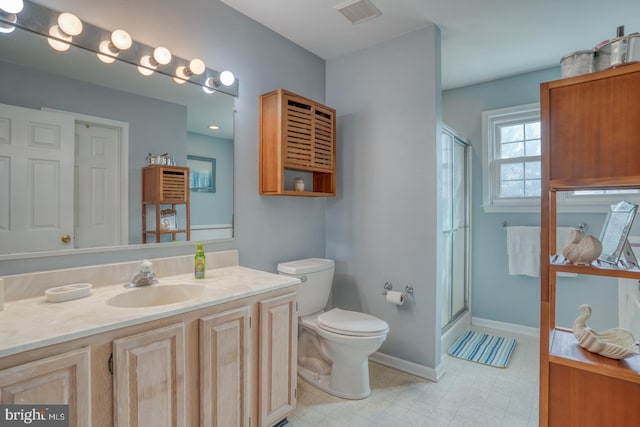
(200, 262)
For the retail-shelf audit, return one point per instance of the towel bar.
(582, 227)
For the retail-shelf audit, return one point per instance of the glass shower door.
(455, 227)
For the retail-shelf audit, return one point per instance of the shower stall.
(456, 232)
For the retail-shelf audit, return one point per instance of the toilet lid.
(352, 323)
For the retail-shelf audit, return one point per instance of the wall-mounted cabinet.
(590, 140)
(165, 186)
(297, 140)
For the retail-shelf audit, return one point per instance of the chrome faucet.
(145, 276)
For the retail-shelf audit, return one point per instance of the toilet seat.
(351, 323)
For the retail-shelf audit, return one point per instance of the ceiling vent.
(358, 11)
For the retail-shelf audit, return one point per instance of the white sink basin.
(153, 295)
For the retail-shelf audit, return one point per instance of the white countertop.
(33, 322)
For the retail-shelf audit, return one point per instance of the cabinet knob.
(66, 238)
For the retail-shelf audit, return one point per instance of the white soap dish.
(68, 292)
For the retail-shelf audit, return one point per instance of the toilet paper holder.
(408, 290)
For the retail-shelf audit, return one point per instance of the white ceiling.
(481, 40)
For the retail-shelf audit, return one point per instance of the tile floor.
(469, 394)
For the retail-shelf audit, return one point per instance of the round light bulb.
(70, 24)
(147, 68)
(227, 78)
(12, 6)
(196, 66)
(58, 45)
(6, 28)
(162, 55)
(104, 48)
(121, 39)
(209, 83)
(181, 77)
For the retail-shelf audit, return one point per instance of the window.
(511, 158)
(511, 167)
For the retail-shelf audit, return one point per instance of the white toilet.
(333, 346)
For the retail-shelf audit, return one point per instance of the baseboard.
(454, 332)
(505, 327)
(408, 367)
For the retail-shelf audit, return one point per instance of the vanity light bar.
(39, 19)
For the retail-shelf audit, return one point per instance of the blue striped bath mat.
(483, 348)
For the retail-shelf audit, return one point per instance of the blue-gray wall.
(383, 224)
(213, 208)
(496, 295)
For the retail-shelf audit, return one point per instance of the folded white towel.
(523, 249)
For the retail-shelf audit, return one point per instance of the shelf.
(165, 232)
(566, 351)
(597, 268)
(305, 194)
(600, 183)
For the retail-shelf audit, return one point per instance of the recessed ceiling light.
(214, 127)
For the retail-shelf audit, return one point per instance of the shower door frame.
(464, 312)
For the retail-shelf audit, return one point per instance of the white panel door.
(97, 212)
(36, 180)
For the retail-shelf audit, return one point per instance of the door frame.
(123, 158)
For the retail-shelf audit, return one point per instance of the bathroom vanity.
(223, 355)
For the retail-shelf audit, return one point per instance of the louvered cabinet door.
(324, 139)
(299, 132)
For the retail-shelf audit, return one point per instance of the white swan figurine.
(616, 343)
(581, 250)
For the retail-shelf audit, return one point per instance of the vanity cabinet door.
(149, 378)
(278, 353)
(64, 379)
(225, 348)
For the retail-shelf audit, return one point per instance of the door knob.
(66, 238)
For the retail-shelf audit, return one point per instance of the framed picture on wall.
(202, 174)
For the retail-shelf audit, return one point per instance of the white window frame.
(491, 202)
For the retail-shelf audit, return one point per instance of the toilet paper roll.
(395, 297)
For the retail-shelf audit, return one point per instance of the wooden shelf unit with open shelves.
(165, 185)
(590, 140)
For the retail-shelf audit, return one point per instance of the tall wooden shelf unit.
(165, 185)
(297, 135)
(590, 140)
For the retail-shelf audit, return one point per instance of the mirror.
(615, 232)
(151, 115)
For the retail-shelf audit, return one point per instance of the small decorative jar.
(298, 184)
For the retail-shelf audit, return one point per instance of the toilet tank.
(316, 275)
